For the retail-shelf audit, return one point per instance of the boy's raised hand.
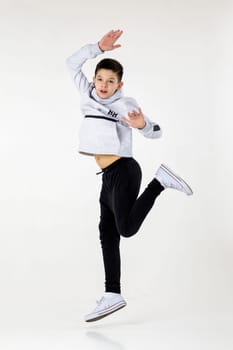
(135, 119)
(107, 43)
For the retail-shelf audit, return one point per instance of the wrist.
(142, 126)
(100, 47)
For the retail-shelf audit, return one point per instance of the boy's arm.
(77, 60)
(136, 119)
(151, 129)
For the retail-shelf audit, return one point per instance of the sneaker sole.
(105, 313)
(186, 187)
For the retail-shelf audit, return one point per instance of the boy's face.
(106, 83)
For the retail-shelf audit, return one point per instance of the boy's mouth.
(103, 91)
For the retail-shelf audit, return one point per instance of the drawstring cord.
(107, 168)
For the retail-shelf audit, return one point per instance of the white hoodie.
(102, 131)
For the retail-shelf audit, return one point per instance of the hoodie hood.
(106, 101)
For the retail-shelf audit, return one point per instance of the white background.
(178, 59)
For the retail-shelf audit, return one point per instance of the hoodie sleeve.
(77, 60)
(151, 130)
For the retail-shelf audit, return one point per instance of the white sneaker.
(169, 179)
(108, 304)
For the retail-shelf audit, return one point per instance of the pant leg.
(110, 243)
(130, 211)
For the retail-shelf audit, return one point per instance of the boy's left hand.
(135, 120)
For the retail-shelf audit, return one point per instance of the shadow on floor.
(101, 341)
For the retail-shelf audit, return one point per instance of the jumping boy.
(106, 134)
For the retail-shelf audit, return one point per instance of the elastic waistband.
(114, 164)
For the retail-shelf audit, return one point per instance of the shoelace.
(102, 300)
(173, 186)
(98, 302)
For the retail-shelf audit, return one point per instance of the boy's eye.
(111, 81)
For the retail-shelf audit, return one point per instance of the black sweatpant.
(121, 212)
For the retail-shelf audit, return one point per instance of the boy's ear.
(120, 85)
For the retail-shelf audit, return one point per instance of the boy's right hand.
(107, 43)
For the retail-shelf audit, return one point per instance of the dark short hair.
(111, 64)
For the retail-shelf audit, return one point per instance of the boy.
(106, 134)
